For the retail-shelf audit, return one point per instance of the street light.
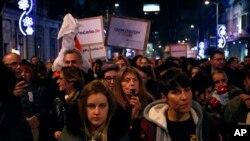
(207, 2)
(198, 34)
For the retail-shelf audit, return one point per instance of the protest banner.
(90, 31)
(95, 52)
(127, 32)
(178, 50)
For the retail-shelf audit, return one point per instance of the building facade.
(42, 43)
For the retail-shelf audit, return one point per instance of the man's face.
(144, 62)
(247, 84)
(72, 60)
(35, 60)
(218, 61)
(219, 79)
(247, 61)
(235, 64)
(13, 61)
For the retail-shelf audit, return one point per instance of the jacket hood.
(155, 113)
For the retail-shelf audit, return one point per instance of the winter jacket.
(72, 131)
(13, 126)
(235, 111)
(155, 114)
(59, 111)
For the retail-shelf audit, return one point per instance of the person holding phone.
(13, 126)
(13, 62)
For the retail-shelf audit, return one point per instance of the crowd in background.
(136, 99)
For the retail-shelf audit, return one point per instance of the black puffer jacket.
(13, 126)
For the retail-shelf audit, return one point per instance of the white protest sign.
(128, 33)
(191, 54)
(94, 51)
(178, 50)
(91, 30)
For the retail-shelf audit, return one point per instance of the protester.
(13, 126)
(217, 62)
(108, 74)
(121, 61)
(96, 108)
(13, 61)
(31, 101)
(176, 118)
(96, 68)
(131, 95)
(238, 108)
(70, 82)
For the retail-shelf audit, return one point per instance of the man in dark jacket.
(13, 126)
(217, 62)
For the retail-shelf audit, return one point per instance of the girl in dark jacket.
(96, 108)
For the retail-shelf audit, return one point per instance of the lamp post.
(197, 35)
(207, 2)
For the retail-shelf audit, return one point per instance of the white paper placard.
(128, 33)
(95, 51)
(178, 50)
(91, 30)
(191, 54)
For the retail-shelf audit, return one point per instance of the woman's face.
(64, 85)
(159, 62)
(138, 61)
(144, 77)
(26, 74)
(130, 81)
(180, 101)
(97, 110)
(144, 62)
(204, 97)
(120, 63)
(194, 71)
(109, 79)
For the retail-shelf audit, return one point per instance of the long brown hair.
(94, 87)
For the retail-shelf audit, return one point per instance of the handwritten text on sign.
(96, 51)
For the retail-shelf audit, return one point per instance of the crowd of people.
(136, 99)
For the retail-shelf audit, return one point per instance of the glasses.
(218, 81)
(109, 78)
(13, 64)
(219, 59)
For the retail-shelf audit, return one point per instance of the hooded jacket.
(155, 113)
